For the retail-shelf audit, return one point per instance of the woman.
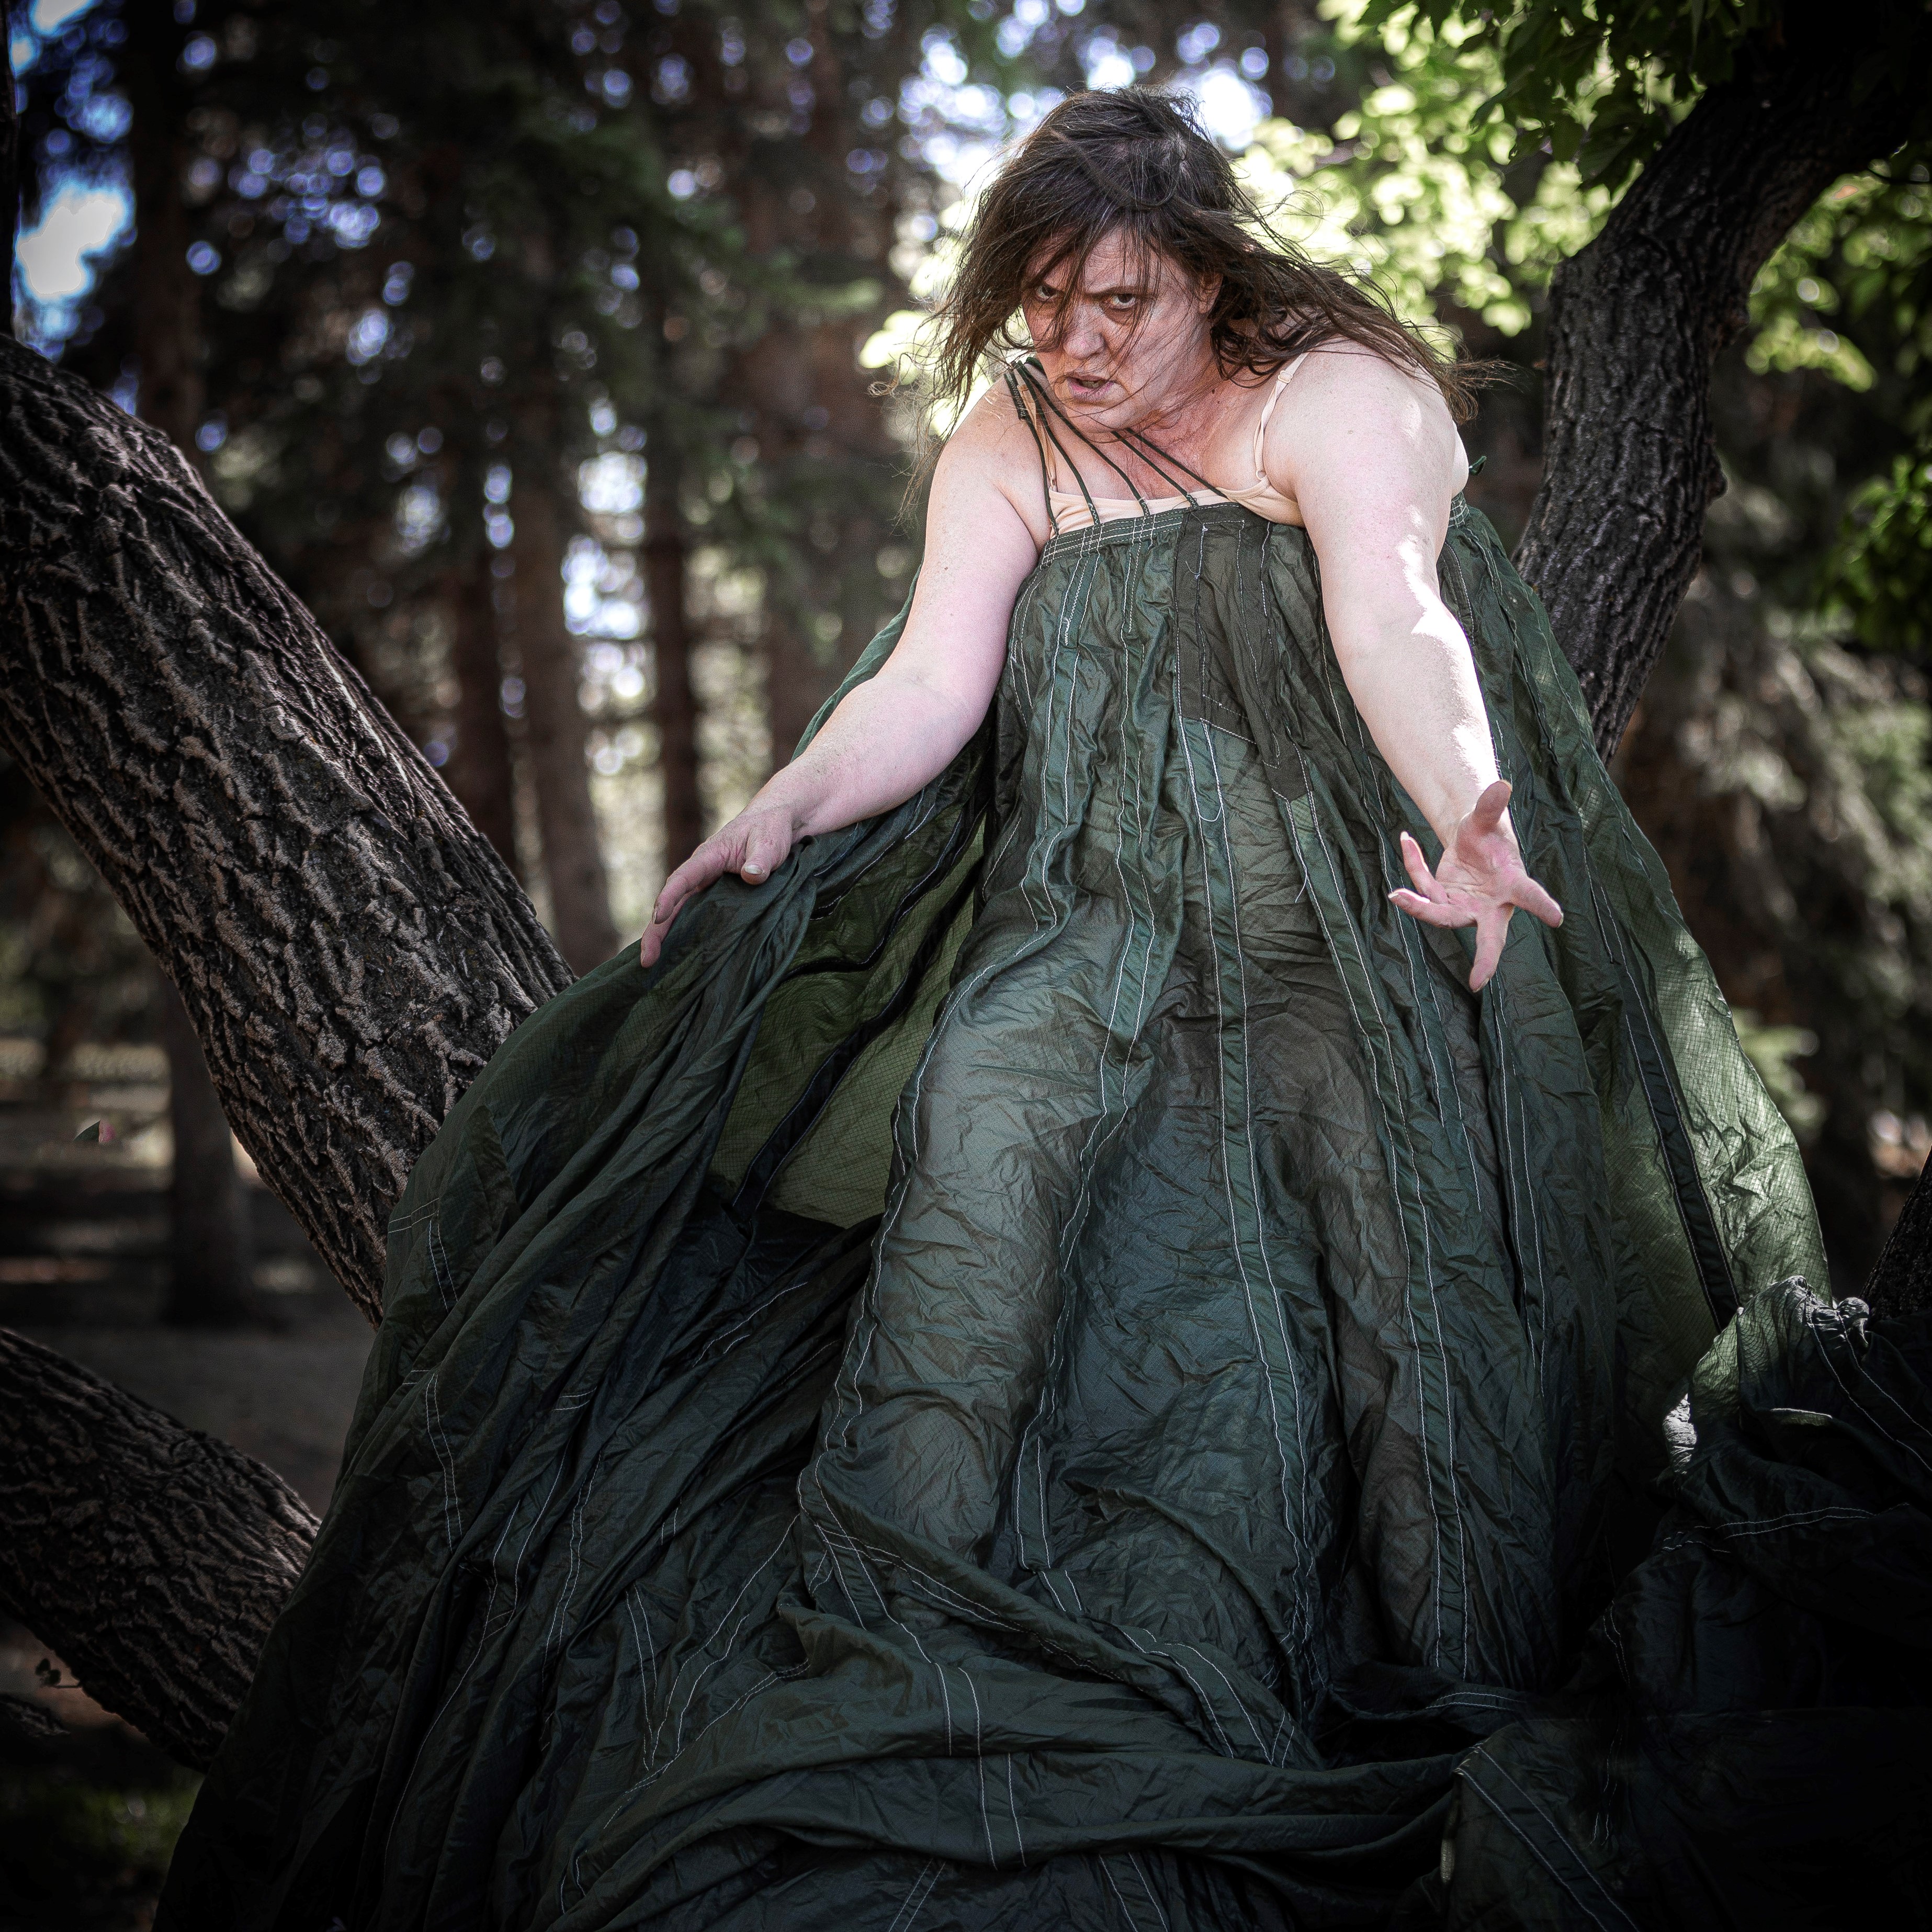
(1071, 1344)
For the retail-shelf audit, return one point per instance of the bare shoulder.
(992, 452)
(1353, 406)
(990, 435)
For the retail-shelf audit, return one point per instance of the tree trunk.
(1615, 534)
(351, 949)
(1901, 1284)
(797, 681)
(152, 1558)
(822, 435)
(211, 1283)
(579, 893)
(479, 771)
(674, 703)
(211, 1243)
(166, 305)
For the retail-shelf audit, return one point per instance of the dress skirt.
(1051, 1366)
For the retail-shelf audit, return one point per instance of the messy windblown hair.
(1133, 162)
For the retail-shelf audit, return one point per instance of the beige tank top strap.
(1280, 383)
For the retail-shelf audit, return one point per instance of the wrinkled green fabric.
(1050, 1366)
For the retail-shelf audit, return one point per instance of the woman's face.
(1131, 346)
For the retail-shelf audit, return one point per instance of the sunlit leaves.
(1865, 250)
(1600, 81)
(1416, 190)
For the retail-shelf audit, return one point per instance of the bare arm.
(896, 732)
(1372, 457)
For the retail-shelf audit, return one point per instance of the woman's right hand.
(754, 845)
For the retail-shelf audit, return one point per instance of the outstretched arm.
(896, 732)
(1372, 457)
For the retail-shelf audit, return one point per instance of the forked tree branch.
(1615, 534)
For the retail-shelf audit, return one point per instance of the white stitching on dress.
(452, 1510)
(1402, 1229)
(1106, 1872)
(1227, 1165)
(1134, 1859)
(1468, 1772)
(914, 1902)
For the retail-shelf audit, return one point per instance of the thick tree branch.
(1615, 534)
(151, 1557)
(351, 951)
(1901, 1283)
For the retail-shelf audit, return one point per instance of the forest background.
(538, 346)
(546, 372)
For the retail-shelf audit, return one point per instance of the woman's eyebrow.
(1052, 291)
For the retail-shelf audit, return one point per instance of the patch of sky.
(353, 222)
(368, 336)
(1107, 64)
(611, 484)
(942, 63)
(55, 259)
(597, 604)
(1017, 30)
(1230, 110)
(101, 117)
(1194, 43)
(47, 17)
(419, 518)
(84, 215)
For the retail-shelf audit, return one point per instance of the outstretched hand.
(1480, 881)
(754, 845)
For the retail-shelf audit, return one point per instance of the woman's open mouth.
(1088, 389)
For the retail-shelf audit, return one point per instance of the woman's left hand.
(1480, 881)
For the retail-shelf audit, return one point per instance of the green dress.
(1051, 1366)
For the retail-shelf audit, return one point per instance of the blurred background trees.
(536, 344)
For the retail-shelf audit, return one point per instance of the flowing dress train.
(1052, 1367)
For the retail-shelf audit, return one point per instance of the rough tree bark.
(351, 949)
(152, 1558)
(210, 1281)
(1901, 1283)
(1615, 534)
(580, 892)
(674, 700)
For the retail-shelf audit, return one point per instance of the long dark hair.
(1135, 163)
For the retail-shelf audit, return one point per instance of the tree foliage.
(1602, 82)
